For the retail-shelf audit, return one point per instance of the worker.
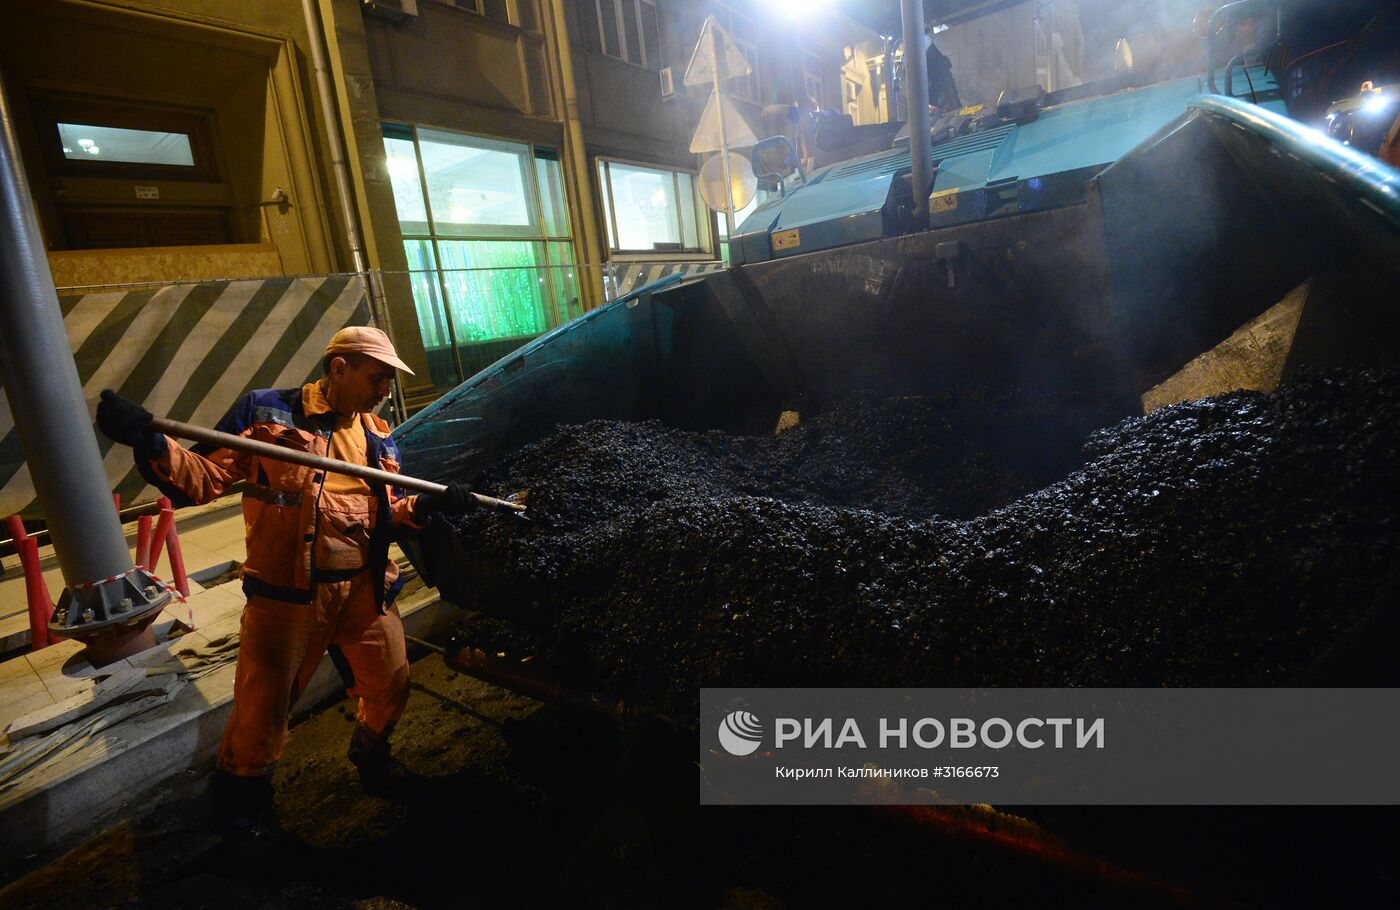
(942, 89)
(318, 574)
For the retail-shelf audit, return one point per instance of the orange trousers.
(281, 645)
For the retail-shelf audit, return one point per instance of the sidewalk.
(107, 738)
(211, 539)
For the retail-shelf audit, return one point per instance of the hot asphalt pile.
(1241, 540)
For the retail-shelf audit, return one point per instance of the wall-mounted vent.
(888, 163)
(393, 10)
(668, 83)
(977, 142)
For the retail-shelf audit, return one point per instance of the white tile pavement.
(211, 540)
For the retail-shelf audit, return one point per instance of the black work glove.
(123, 420)
(455, 500)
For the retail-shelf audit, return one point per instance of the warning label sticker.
(943, 201)
(787, 240)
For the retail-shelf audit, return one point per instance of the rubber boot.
(369, 753)
(242, 805)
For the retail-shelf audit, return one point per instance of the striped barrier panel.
(188, 352)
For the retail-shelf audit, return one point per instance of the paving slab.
(217, 534)
(117, 683)
(21, 690)
(45, 659)
(209, 553)
(59, 671)
(218, 628)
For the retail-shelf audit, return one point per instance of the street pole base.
(113, 618)
(113, 643)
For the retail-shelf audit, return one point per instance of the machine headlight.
(1377, 104)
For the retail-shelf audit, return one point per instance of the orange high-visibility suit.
(317, 576)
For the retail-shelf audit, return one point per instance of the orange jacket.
(296, 531)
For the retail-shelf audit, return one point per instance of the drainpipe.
(916, 92)
(587, 221)
(340, 165)
(107, 602)
(317, 39)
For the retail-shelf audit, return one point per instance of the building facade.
(496, 166)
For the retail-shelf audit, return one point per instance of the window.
(95, 149)
(92, 137)
(85, 142)
(491, 9)
(850, 91)
(812, 76)
(625, 29)
(744, 31)
(486, 232)
(652, 210)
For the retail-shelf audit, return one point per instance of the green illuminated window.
(486, 231)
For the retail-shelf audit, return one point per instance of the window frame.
(619, 35)
(534, 229)
(478, 8)
(53, 109)
(393, 129)
(724, 15)
(850, 97)
(704, 218)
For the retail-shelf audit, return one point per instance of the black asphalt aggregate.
(1243, 540)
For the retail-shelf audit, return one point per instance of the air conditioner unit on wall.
(668, 83)
(393, 10)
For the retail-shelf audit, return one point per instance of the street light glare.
(1377, 103)
(799, 9)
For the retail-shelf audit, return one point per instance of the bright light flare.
(798, 9)
(403, 167)
(1377, 103)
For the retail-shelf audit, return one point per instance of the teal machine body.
(1086, 246)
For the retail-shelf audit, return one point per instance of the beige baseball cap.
(364, 339)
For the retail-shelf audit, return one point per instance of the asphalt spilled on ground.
(1243, 540)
